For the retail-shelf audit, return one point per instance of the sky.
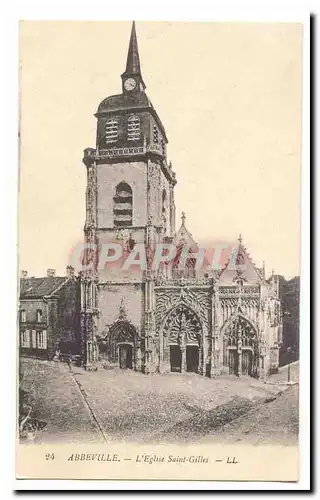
(229, 96)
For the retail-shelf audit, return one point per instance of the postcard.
(159, 250)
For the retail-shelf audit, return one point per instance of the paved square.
(127, 406)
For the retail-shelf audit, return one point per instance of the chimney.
(70, 271)
(51, 273)
(23, 274)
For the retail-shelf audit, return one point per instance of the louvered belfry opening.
(122, 205)
(111, 130)
(155, 134)
(133, 128)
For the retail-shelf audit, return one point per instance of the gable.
(240, 265)
(184, 240)
(184, 237)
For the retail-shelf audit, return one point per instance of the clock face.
(130, 84)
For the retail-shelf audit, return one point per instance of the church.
(211, 322)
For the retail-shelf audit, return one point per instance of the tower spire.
(133, 68)
(133, 59)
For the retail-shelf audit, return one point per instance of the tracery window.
(182, 326)
(133, 128)
(184, 263)
(111, 130)
(122, 205)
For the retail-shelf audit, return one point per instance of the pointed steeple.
(133, 69)
(133, 59)
(240, 253)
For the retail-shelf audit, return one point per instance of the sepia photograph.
(159, 250)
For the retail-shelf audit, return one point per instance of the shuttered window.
(122, 205)
(34, 339)
(25, 338)
(133, 128)
(155, 134)
(42, 339)
(111, 130)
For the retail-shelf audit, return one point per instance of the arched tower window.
(133, 128)
(111, 130)
(122, 205)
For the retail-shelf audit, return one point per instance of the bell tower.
(135, 181)
(130, 192)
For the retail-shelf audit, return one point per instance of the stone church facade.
(200, 320)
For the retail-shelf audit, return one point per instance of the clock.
(130, 84)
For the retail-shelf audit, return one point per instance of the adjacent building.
(49, 314)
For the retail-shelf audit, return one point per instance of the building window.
(42, 339)
(39, 316)
(122, 205)
(34, 339)
(155, 134)
(25, 338)
(163, 146)
(23, 316)
(133, 128)
(111, 130)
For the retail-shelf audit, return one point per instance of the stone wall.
(115, 301)
(109, 176)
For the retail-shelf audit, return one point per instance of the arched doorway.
(120, 345)
(182, 340)
(240, 347)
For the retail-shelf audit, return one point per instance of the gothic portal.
(176, 320)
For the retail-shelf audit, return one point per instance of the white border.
(163, 10)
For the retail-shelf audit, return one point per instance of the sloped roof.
(40, 287)
(123, 101)
(183, 236)
(126, 103)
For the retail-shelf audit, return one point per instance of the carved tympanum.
(182, 326)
